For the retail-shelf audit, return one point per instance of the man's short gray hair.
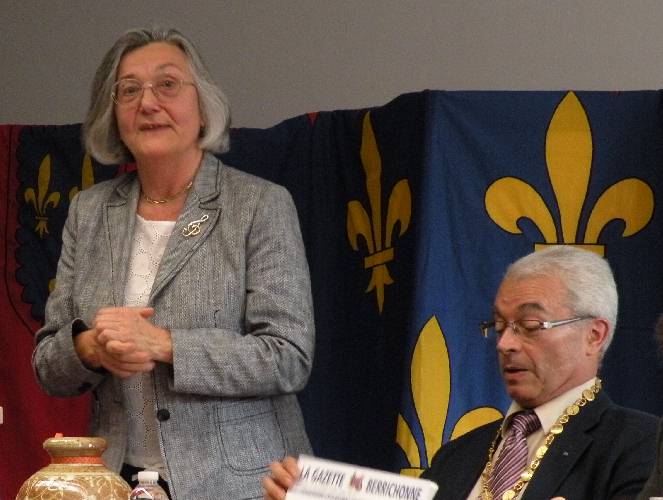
(587, 277)
(100, 132)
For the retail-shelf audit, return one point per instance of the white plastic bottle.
(148, 487)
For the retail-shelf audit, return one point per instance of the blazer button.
(84, 387)
(163, 415)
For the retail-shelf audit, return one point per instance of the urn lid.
(60, 446)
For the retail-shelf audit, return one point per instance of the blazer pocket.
(250, 434)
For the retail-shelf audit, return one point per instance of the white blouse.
(143, 449)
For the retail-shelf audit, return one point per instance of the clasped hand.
(124, 341)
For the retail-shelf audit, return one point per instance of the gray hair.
(590, 285)
(100, 132)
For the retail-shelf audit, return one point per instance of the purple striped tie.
(513, 457)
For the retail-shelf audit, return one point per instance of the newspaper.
(339, 481)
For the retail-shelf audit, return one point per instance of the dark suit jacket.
(605, 452)
(654, 486)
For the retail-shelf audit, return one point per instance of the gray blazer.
(237, 300)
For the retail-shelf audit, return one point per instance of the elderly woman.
(183, 298)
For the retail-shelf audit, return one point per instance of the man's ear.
(597, 336)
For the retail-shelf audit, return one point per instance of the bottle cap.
(148, 476)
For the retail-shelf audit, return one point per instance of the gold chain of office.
(154, 201)
(558, 427)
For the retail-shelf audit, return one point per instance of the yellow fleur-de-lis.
(399, 209)
(430, 379)
(41, 199)
(87, 177)
(569, 151)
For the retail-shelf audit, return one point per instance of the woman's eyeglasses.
(130, 90)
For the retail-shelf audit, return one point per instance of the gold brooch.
(193, 227)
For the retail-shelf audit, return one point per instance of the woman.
(183, 298)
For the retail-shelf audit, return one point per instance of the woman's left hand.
(127, 335)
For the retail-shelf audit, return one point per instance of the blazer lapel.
(475, 462)
(194, 224)
(119, 221)
(566, 450)
(460, 469)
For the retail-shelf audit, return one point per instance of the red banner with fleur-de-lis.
(410, 213)
(29, 415)
(41, 169)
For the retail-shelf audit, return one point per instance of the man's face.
(546, 363)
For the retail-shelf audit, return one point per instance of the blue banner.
(410, 213)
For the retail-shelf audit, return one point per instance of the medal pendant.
(486, 495)
(556, 429)
(509, 495)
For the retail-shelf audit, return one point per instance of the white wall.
(280, 58)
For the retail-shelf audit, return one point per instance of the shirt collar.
(549, 412)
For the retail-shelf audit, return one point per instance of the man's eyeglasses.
(525, 328)
(129, 90)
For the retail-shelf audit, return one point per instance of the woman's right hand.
(283, 476)
(94, 355)
(87, 348)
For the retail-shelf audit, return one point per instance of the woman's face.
(152, 127)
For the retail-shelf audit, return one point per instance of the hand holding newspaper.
(325, 479)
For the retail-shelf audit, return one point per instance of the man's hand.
(283, 476)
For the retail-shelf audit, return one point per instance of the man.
(654, 486)
(554, 317)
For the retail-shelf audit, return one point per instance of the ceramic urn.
(76, 472)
